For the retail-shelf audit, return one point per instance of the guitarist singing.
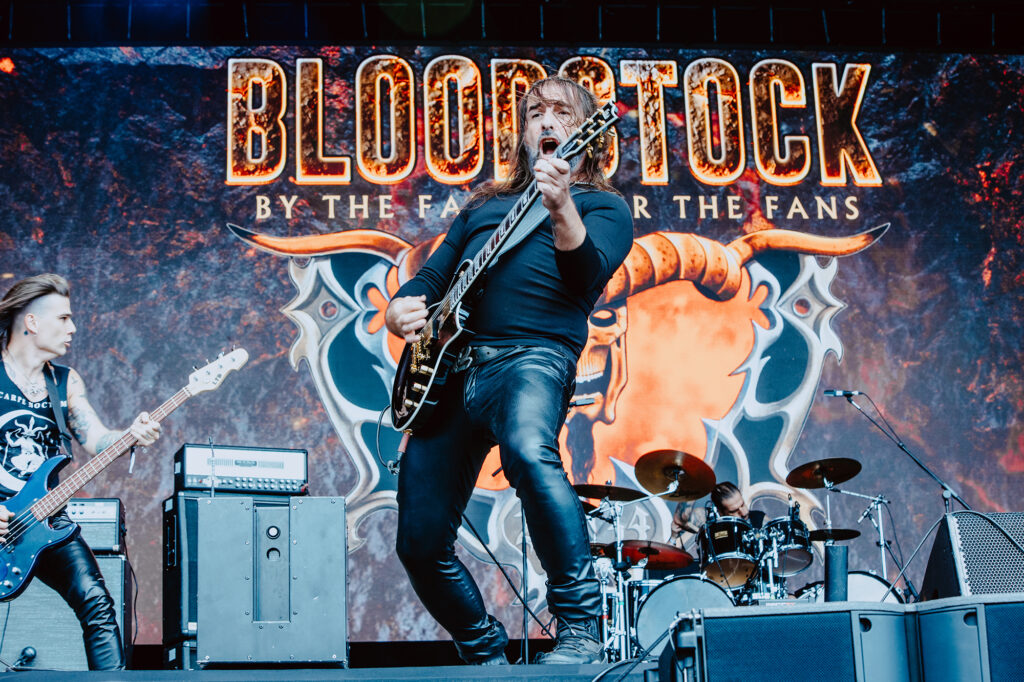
(513, 381)
(35, 328)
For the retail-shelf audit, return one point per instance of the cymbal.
(838, 534)
(813, 474)
(612, 492)
(658, 554)
(656, 471)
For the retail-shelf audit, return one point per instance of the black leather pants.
(518, 401)
(71, 570)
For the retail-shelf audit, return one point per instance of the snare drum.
(860, 586)
(794, 543)
(727, 550)
(676, 595)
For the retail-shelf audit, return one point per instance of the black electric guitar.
(29, 531)
(425, 365)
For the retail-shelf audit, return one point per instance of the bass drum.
(682, 593)
(860, 586)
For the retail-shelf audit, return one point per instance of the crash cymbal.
(813, 474)
(838, 534)
(656, 471)
(658, 554)
(612, 492)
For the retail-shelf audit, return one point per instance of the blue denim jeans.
(517, 401)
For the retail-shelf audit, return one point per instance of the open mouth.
(548, 146)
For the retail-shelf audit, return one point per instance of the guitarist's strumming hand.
(406, 316)
(5, 517)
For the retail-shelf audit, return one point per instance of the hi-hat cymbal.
(612, 492)
(658, 554)
(657, 470)
(814, 474)
(839, 534)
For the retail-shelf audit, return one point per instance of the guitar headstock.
(598, 122)
(209, 377)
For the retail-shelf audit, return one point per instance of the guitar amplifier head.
(234, 468)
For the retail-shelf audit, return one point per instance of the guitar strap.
(58, 413)
(533, 217)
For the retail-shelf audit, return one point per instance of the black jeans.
(71, 570)
(518, 401)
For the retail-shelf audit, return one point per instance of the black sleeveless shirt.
(28, 431)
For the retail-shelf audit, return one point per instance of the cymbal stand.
(884, 546)
(617, 641)
(876, 506)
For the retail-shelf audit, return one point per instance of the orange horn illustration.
(716, 269)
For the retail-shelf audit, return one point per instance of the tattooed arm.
(90, 432)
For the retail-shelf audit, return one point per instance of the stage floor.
(526, 673)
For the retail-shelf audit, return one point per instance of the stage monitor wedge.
(972, 555)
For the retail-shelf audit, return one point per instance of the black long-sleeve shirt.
(534, 294)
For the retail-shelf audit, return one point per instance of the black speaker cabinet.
(39, 618)
(973, 556)
(266, 583)
(972, 638)
(181, 559)
(796, 642)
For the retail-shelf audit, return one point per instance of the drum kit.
(739, 563)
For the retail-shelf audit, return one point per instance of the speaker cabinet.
(272, 582)
(255, 581)
(797, 642)
(972, 638)
(973, 556)
(181, 559)
(39, 618)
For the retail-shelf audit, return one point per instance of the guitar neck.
(486, 254)
(54, 500)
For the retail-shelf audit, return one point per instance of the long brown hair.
(19, 296)
(583, 104)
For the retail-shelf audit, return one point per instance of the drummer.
(728, 500)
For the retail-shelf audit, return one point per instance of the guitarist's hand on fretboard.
(406, 316)
(145, 429)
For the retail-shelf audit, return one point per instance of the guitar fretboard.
(59, 496)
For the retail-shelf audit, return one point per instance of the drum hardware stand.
(618, 631)
(948, 494)
(876, 506)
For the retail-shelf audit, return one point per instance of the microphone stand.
(891, 434)
(876, 506)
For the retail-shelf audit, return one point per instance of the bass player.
(35, 328)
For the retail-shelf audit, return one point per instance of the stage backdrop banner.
(775, 173)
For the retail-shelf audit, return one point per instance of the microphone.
(865, 514)
(839, 393)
